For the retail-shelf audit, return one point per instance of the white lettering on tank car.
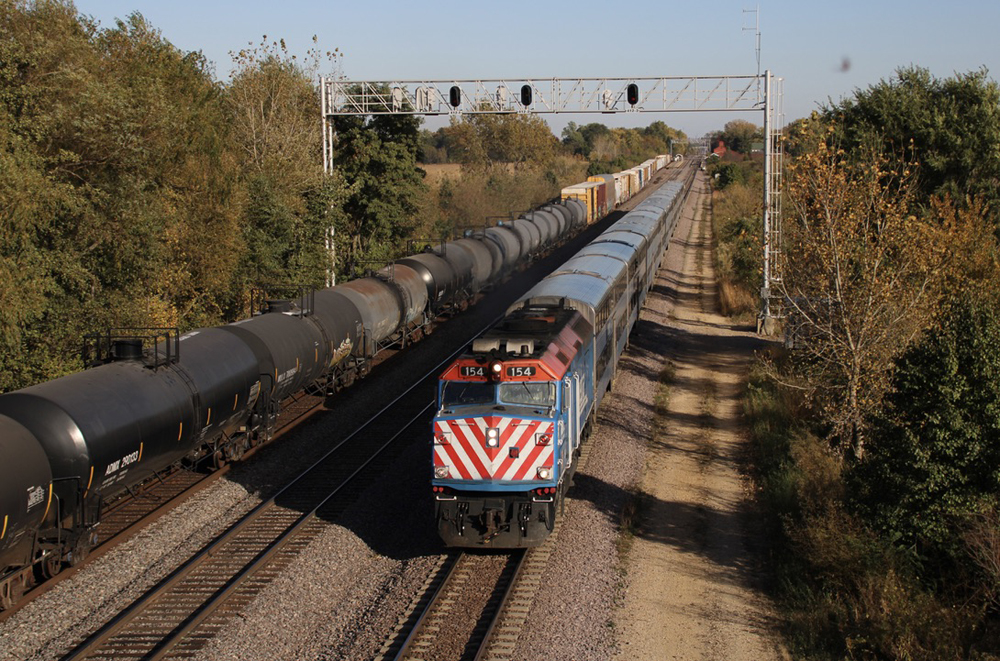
(36, 496)
(285, 376)
(115, 466)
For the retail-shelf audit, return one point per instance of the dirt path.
(692, 571)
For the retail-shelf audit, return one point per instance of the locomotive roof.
(542, 325)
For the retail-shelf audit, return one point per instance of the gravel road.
(693, 572)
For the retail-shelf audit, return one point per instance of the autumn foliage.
(862, 271)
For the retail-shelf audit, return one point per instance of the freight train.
(513, 411)
(155, 398)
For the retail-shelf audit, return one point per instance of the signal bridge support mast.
(538, 96)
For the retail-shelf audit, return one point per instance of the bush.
(726, 174)
(737, 222)
(844, 590)
(933, 461)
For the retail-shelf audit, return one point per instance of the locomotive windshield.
(465, 393)
(528, 394)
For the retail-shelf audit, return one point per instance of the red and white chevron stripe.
(467, 457)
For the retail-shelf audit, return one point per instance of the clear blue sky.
(805, 43)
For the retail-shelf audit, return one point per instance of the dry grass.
(737, 249)
(437, 172)
(473, 198)
(735, 300)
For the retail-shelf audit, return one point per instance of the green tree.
(950, 126)
(272, 100)
(934, 458)
(572, 139)
(378, 156)
(113, 142)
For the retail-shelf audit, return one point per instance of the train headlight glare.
(496, 369)
(492, 437)
(441, 472)
(544, 472)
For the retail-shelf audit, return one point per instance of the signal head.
(632, 94)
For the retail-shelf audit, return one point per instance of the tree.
(859, 275)
(739, 135)
(572, 139)
(933, 462)
(482, 141)
(113, 141)
(950, 126)
(271, 100)
(378, 156)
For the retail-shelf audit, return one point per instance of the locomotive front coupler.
(523, 516)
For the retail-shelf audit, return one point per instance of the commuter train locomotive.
(71, 444)
(513, 411)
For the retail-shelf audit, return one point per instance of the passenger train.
(514, 410)
(155, 398)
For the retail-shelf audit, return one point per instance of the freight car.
(513, 411)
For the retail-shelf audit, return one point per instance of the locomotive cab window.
(466, 393)
(528, 394)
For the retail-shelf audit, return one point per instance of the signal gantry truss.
(548, 95)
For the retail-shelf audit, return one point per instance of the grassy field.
(438, 171)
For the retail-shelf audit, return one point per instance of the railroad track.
(450, 619)
(182, 613)
(133, 510)
(458, 608)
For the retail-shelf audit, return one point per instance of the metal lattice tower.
(774, 120)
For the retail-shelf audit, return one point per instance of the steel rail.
(121, 621)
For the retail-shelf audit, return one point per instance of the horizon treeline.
(488, 139)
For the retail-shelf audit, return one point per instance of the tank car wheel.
(218, 460)
(50, 566)
(80, 552)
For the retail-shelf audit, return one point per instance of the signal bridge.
(542, 95)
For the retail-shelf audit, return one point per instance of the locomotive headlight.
(544, 439)
(441, 438)
(496, 369)
(544, 472)
(492, 437)
(441, 472)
